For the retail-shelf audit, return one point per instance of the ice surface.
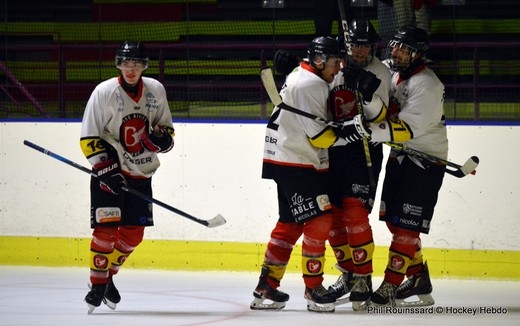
(54, 296)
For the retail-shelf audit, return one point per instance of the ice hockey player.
(351, 191)
(411, 185)
(296, 158)
(126, 123)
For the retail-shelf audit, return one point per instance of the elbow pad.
(391, 130)
(325, 139)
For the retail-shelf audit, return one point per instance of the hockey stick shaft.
(366, 148)
(216, 221)
(460, 170)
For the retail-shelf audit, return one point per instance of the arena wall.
(215, 168)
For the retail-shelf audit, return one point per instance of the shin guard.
(101, 246)
(402, 250)
(359, 235)
(315, 234)
(338, 241)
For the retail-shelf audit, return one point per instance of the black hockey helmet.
(415, 39)
(362, 32)
(324, 47)
(131, 50)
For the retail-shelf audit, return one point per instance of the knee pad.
(129, 237)
(318, 229)
(338, 230)
(103, 239)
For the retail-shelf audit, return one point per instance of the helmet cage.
(401, 65)
(361, 32)
(369, 57)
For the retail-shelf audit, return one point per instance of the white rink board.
(215, 168)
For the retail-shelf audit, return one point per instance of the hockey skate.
(264, 292)
(319, 299)
(112, 297)
(95, 296)
(417, 286)
(361, 292)
(341, 288)
(385, 295)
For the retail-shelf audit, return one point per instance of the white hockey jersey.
(422, 113)
(287, 147)
(112, 115)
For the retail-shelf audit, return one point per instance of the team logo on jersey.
(342, 103)
(151, 102)
(131, 131)
(120, 102)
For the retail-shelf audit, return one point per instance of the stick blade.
(216, 221)
(470, 166)
(266, 74)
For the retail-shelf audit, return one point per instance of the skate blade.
(360, 305)
(258, 304)
(90, 309)
(110, 304)
(320, 307)
(421, 300)
(341, 301)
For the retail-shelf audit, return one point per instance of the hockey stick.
(211, 223)
(454, 169)
(366, 148)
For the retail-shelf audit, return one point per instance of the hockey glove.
(160, 141)
(353, 130)
(109, 175)
(284, 62)
(364, 81)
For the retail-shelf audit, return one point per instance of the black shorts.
(410, 194)
(348, 173)
(302, 197)
(123, 209)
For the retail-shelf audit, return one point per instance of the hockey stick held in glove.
(454, 169)
(211, 223)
